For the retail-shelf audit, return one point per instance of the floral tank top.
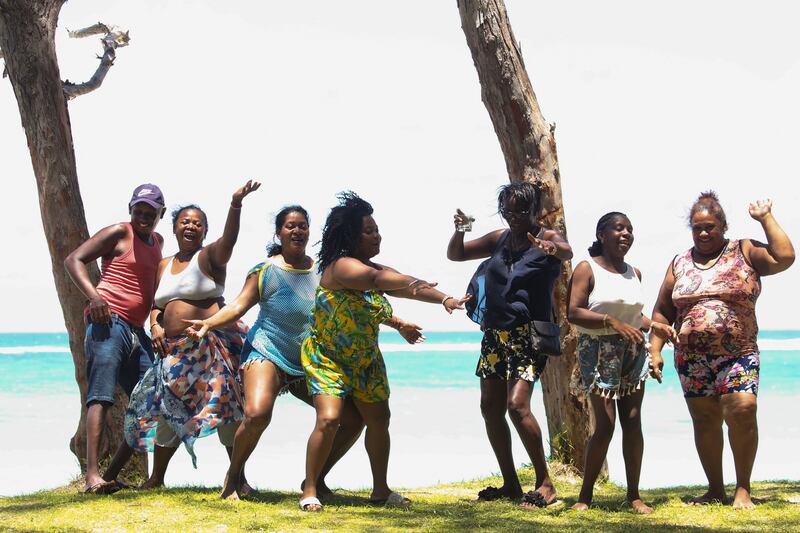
(716, 306)
(345, 325)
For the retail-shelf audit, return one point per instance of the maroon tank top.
(128, 282)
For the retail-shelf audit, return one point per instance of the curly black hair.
(605, 221)
(181, 208)
(274, 248)
(342, 232)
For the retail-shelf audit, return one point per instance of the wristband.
(236, 206)
(446, 298)
(605, 321)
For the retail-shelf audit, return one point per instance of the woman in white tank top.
(605, 304)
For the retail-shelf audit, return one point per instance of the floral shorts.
(363, 378)
(508, 354)
(611, 366)
(709, 375)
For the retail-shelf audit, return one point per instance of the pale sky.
(654, 102)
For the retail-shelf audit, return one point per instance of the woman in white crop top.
(192, 390)
(605, 304)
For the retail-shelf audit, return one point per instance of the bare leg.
(494, 397)
(94, 425)
(739, 411)
(706, 415)
(320, 442)
(597, 448)
(519, 409)
(630, 418)
(350, 427)
(244, 487)
(378, 443)
(161, 458)
(261, 387)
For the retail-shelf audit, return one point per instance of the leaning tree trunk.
(529, 147)
(27, 31)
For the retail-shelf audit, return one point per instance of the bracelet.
(413, 283)
(446, 298)
(154, 325)
(555, 250)
(605, 320)
(236, 206)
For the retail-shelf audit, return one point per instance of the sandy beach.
(437, 437)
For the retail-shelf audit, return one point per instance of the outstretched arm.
(232, 312)
(778, 254)
(351, 273)
(220, 251)
(552, 243)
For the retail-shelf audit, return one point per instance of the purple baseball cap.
(149, 194)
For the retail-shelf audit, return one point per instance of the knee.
(258, 419)
(351, 421)
(741, 418)
(379, 421)
(631, 423)
(328, 423)
(492, 409)
(518, 408)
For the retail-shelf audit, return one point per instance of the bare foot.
(229, 490)
(742, 500)
(150, 484)
(245, 489)
(580, 506)
(708, 497)
(640, 507)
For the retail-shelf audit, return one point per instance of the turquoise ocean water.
(40, 363)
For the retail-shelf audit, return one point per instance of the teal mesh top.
(287, 297)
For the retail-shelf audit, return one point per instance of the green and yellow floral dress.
(341, 356)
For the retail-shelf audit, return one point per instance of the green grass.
(440, 508)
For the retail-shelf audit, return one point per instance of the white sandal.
(395, 499)
(306, 503)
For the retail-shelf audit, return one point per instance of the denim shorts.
(115, 353)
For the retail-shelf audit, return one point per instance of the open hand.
(664, 331)
(196, 329)
(760, 209)
(411, 332)
(628, 332)
(453, 303)
(244, 190)
(547, 247)
(419, 284)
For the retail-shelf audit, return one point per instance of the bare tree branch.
(112, 40)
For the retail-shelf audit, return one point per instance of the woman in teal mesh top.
(283, 286)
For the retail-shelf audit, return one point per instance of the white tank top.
(191, 284)
(617, 295)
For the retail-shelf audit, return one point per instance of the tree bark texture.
(529, 148)
(27, 31)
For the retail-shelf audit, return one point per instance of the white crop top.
(191, 284)
(617, 295)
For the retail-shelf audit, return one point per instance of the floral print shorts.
(508, 354)
(611, 366)
(710, 375)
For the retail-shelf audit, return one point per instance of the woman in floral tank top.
(709, 295)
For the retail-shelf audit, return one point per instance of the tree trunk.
(27, 31)
(529, 147)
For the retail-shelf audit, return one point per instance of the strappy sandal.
(490, 494)
(311, 504)
(535, 499)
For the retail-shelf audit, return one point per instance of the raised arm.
(458, 250)
(220, 251)
(101, 244)
(775, 256)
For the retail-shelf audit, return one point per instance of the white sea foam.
(19, 350)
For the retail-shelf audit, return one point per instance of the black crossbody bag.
(546, 336)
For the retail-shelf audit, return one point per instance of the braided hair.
(274, 248)
(708, 202)
(341, 234)
(605, 221)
